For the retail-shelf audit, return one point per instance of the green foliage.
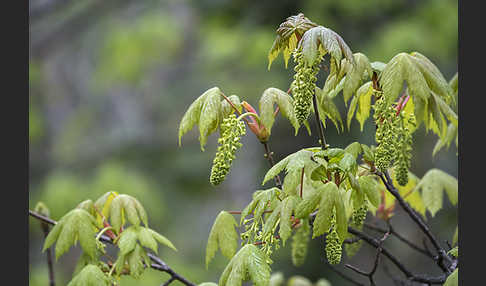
(91, 275)
(285, 104)
(231, 131)
(145, 236)
(204, 112)
(453, 279)
(327, 108)
(222, 235)
(433, 184)
(287, 34)
(454, 252)
(355, 74)
(362, 103)
(124, 207)
(249, 263)
(76, 225)
(42, 209)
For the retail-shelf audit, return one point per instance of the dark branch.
(443, 257)
(50, 265)
(157, 265)
(343, 275)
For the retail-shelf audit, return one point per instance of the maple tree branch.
(443, 257)
(268, 155)
(319, 123)
(158, 264)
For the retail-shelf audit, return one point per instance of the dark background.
(109, 82)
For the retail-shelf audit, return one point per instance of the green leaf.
(354, 149)
(322, 38)
(261, 200)
(88, 206)
(351, 110)
(288, 208)
(91, 275)
(369, 186)
(300, 242)
(327, 200)
(222, 234)
(364, 103)
(285, 104)
(146, 236)
(205, 112)
(162, 239)
(328, 108)
(286, 40)
(378, 67)
(454, 238)
(42, 209)
(77, 224)
(102, 205)
(208, 284)
(249, 263)
(454, 251)
(125, 206)
(453, 83)
(451, 134)
(432, 184)
(355, 75)
(453, 279)
(227, 109)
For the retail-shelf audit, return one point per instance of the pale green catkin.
(385, 120)
(404, 151)
(333, 244)
(231, 132)
(304, 85)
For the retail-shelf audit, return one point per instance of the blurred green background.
(110, 80)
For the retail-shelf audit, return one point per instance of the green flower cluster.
(304, 85)
(403, 155)
(231, 131)
(254, 234)
(394, 139)
(359, 215)
(333, 245)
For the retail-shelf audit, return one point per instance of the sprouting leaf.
(147, 238)
(451, 134)
(227, 109)
(222, 235)
(326, 40)
(352, 108)
(286, 40)
(293, 163)
(125, 206)
(453, 279)
(90, 275)
(261, 200)
(435, 80)
(205, 112)
(453, 83)
(134, 261)
(432, 184)
(354, 149)
(285, 104)
(103, 205)
(287, 210)
(364, 103)
(454, 251)
(300, 241)
(354, 75)
(328, 108)
(249, 263)
(76, 225)
(369, 186)
(88, 206)
(378, 67)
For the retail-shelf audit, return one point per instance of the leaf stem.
(319, 123)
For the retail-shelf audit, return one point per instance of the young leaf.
(288, 208)
(285, 104)
(364, 103)
(328, 108)
(261, 200)
(77, 224)
(103, 205)
(355, 74)
(91, 275)
(453, 279)
(432, 184)
(369, 186)
(205, 112)
(147, 238)
(125, 206)
(42, 209)
(222, 234)
(249, 263)
(227, 109)
(286, 40)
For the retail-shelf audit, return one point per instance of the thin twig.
(343, 275)
(319, 123)
(268, 155)
(50, 264)
(157, 265)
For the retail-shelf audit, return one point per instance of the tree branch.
(319, 123)
(443, 257)
(268, 155)
(157, 265)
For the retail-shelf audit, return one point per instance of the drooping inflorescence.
(304, 85)
(359, 215)
(333, 244)
(231, 131)
(394, 139)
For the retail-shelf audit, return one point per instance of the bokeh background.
(110, 80)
